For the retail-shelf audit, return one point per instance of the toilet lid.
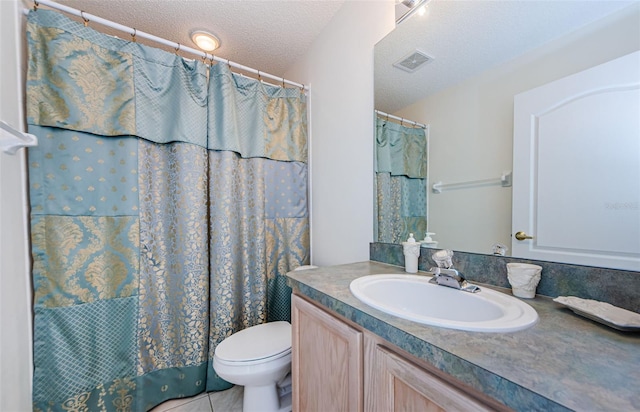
(256, 342)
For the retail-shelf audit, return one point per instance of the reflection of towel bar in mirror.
(504, 181)
(11, 139)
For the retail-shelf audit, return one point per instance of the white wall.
(472, 128)
(15, 296)
(339, 69)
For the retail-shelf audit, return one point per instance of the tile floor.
(223, 401)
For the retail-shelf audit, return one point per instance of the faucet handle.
(443, 258)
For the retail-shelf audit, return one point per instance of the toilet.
(257, 358)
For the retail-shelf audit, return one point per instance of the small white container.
(428, 241)
(411, 250)
(524, 279)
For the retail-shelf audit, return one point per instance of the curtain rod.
(177, 46)
(402, 119)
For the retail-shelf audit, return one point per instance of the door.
(326, 361)
(396, 384)
(576, 168)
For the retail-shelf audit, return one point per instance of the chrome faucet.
(446, 275)
(453, 279)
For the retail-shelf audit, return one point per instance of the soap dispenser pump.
(428, 241)
(411, 250)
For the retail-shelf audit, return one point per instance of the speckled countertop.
(564, 362)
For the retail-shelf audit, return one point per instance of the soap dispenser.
(428, 241)
(411, 250)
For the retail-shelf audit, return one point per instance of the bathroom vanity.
(340, 366)
(349, 356)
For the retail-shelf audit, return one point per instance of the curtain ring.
(211, 60)
(35, 5)
(402, 121)
(259, 77)
(86, 20)
(229, 64)
(133, 35)
(283, 86)
(204, 58)
(177, 49)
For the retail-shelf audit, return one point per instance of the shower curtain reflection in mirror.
(401, 181)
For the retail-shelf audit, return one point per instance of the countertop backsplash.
(617, 287)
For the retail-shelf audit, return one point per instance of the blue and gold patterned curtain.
(401, 171)
(168, 200)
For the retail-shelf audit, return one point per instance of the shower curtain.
(168, 200)
(401, 171)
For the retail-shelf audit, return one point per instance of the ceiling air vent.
(413, 61)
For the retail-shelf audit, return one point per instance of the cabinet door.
(395, 384)
(326, 361)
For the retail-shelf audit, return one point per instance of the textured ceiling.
(268, 35)
(466, 38)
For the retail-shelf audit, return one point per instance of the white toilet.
(257, 358)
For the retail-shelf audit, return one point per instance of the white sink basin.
(412, 297)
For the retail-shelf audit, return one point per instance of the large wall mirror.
(477, 57)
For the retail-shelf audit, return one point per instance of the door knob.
(522, 236)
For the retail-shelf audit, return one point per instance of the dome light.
(205, 40)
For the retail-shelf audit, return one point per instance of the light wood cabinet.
(338, 367)
(396, 384)
(326, 361)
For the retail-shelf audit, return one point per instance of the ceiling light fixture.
(205, 40)
(410, 3)
(414, 6)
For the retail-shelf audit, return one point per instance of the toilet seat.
(257, 344)
(255, 361)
